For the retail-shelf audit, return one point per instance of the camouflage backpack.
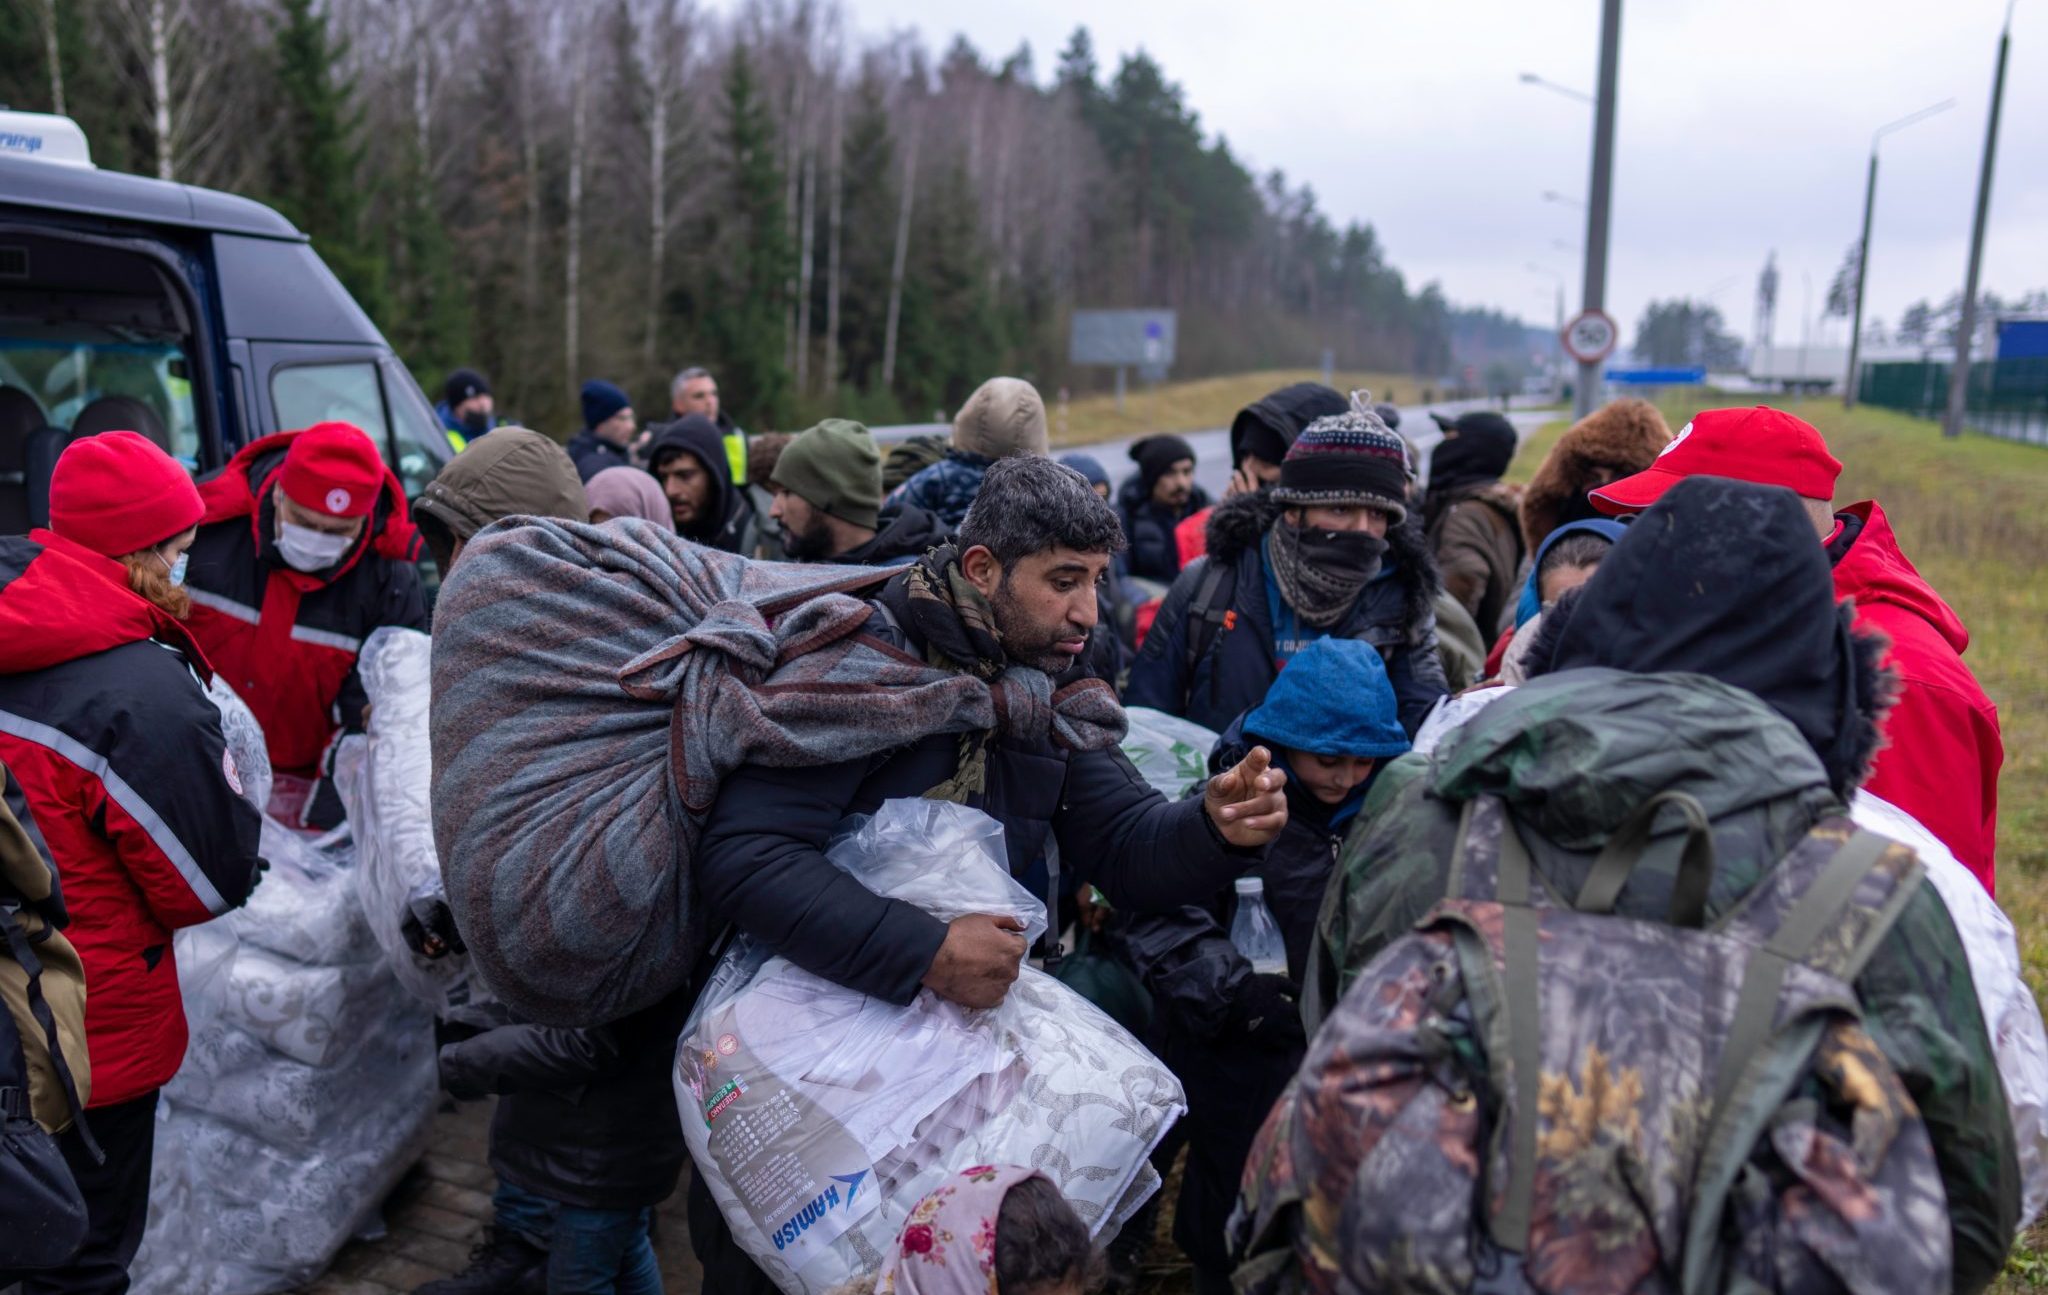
(1531, 1093)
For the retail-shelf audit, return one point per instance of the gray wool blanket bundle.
(592, 686)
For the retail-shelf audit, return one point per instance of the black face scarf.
(1320, 573)
(1475, 456)
(1725, 579)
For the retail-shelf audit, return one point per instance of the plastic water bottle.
(1254, 932)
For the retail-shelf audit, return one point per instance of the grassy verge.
(1203, 404)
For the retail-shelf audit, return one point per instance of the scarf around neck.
(939, 605)
(1321, 594)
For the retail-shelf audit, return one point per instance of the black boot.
(503, 1263)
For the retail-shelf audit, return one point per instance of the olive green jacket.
(1572, 755)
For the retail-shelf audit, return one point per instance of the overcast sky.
(1744, 126)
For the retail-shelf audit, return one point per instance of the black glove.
(1266, 1012)
(427, 926)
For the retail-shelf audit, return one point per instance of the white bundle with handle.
(819, 1116)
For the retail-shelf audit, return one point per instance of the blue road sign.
(1657, 377)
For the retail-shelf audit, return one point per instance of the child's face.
(1330, 778)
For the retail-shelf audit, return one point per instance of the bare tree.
(664, 54)
(51, 51)
(579, 113)
(836, 182)
(902, 258)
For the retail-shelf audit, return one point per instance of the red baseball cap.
(333, 468)
(1767, 446)
(118, 493)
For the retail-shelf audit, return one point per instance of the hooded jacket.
(1573, 755)
(1149, 528)
(1477, 540)
(592, 454)
(907, 533)
(1282, 414)
(1943, 749)
(516, 472)
(126, 787)
(1612, 442)
(735, 529)
(1393, 614)
(287, 640)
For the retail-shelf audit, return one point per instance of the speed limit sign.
(1591, 336)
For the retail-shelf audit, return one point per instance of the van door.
(302, 383)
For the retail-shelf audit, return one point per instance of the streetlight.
(1863, 243)
(1530, 78)
(1601, 187)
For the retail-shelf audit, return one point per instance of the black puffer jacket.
(906, 533)
(1394, 614)
(586, 1117)
(761, 863)
(1148, 526)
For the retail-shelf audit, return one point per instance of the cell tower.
(1760, 337)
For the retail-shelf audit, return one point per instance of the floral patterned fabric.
(948, 1244)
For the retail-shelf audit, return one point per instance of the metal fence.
(2007, 398)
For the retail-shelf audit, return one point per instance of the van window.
(67, 375)
(346, 392)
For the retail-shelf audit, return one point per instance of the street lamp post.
(1966, 327)
(1863, 243)
(1599, 192)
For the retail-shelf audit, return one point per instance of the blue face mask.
(175, 570)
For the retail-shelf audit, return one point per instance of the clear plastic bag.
(385, 778)
(246, 747)
(1172, 753)
(819, 1117)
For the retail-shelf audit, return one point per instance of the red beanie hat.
(117, 493)
(333, 468)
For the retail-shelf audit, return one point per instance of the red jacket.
(128, 787)
(285, 640)
(1942, 750)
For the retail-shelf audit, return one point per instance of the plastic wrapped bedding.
(385, 778)
(1172, 753)
(819, 1117)
(2010, 1012)
(306, 1090)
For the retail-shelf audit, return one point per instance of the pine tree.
(316, 167)
(430, 312)
(747, 326)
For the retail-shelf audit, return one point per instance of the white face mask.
(174, 571)
(308, 550)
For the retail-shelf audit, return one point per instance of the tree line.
(616, 188)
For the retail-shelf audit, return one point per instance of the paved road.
(1212, 447)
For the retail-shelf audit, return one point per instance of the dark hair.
(1578, 549)
(1040, 1241)
(1029, 504)
(764, 451)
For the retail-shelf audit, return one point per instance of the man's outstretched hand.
(1247, 802)
(978, 963)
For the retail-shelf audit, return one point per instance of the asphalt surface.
(1212, 447)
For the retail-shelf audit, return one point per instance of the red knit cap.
(118, 493)
(333, 468)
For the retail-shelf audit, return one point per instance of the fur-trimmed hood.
(1240, 522)
(1616, 441)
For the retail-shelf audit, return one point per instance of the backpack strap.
(1206, 612)
(23, 949)
(1819, 912)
